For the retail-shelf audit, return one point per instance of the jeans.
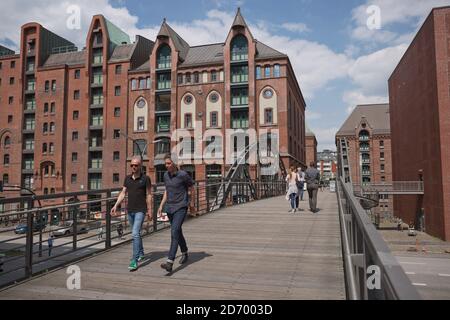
(176, 222)
(292, 198)
(136, 221)
(313, 199)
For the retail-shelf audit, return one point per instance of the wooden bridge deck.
(252, 251)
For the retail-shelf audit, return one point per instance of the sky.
(343, 52)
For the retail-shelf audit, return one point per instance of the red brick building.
(420, 122)
(368, 134)
(65, 114)
(311, 147)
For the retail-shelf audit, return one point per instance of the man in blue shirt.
(178, 197)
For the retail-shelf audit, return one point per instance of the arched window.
(164, 57)
(7, 141)
(52, 147)
(258, 72)
(44, 148)
(52, 127)
(239, 48)
(45, 128)
(364, 135)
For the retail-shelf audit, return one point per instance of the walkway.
(252, 251)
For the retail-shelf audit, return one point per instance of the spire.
(164, 31)
(239, 20)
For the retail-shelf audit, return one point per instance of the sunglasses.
(134, 165)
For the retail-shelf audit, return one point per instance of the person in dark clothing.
(50, 244)
(138, 187)
(312, 178)
(178, 197)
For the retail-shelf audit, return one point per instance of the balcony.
(364, 149)
(364, 138)
(162, 124)
(96, 123)
(366, 173)
(164, 86)
(239, 120)
(164, 64)
(365, 160)
(97, 81)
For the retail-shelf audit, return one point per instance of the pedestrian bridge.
(255, 250)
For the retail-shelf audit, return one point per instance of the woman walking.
(291, 195)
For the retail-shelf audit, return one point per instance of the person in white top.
(300, 186)
(291, 195)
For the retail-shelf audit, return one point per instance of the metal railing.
(82, 226)
(371, 271)
(396, 187)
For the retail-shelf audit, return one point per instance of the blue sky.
(338, 60)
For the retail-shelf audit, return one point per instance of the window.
(10, 119)
(188, 120)
(214, 119)
(75, 115)
(142, 147)
(267, 72)
(276, 71)
(142, 83)
(116, 156)
(45, 128)
(214, 97)
(6, 159)
(162, 146)
(5, 179)
(119, 69)
(180, 79)
(117, 91)
(213, 76)
(44, 148)
(74, 156)
(268, 93)
(116, 134)
(381, 155)
(11, 80)
(116, 178)
(239, 97)
(258, 72)
(73, 178)
(141, 123)
(117, 112)
(383, 179)
(164, 58)
(76, 95)
(52, 107)
(381, 143)
(149, 82)
(196, 77)
(13, 64)
(45, 107)
(382, 166)
(268, 116)
(239, 48)
(74, 135)
(134, 84)
(52, 148)
(11, 100)
(239, 74)
(45, 191)
(53, 85)
(52, 191)
(52, 127)
(188, 99)
(77, 74)
(188, 77)
(47, 86)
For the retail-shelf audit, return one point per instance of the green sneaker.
(140, 259)
(133, 265)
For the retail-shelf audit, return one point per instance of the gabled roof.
(265, 52)
(123, 52)
(68, 58)
(180, 45)
(116, 35)
(377, 116)
(239, 20)
(207, 54)
(145, 67)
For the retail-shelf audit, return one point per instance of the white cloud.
(311, 115)
(295, 27)
(356, 97)
(325, 137)
(392, 12)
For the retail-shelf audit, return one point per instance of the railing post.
(75, 230)
(197, 194)
(29, 242)
(108, 220)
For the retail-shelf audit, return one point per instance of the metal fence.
(396, 187)
(82, 226)
(371, 271)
